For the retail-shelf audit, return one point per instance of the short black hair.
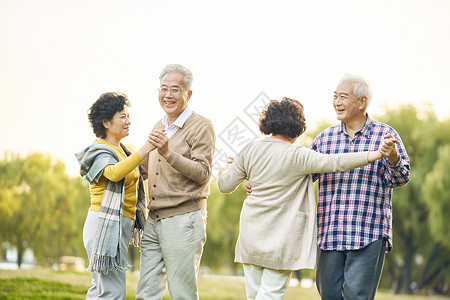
(285, 117)
(104, 109)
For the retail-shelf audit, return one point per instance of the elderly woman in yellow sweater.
(117, 213)
(278, 221)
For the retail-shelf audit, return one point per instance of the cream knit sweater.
(278, 219)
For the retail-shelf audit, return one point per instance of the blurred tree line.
(43, 209)
(421, 255)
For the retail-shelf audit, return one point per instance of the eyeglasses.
(173, 90)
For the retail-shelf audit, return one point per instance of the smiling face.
(348, 106)
(173, 96)
(118, 127)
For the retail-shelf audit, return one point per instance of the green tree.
(223, 228)
(437, 198)
(63, 233)
(414, 247)
(39, 206)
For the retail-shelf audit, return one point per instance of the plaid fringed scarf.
(108, 252)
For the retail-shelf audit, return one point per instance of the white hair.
(176, 68)
(361, 87)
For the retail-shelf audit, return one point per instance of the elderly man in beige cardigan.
(278, 219)
(178, 184)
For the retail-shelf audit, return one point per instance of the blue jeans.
(351, 274)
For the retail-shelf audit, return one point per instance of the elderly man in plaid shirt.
(354, 211)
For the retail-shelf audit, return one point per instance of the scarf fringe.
(103, 264)
(136, 237)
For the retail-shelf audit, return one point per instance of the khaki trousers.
(170, 255)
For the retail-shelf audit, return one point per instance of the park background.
(57, 57)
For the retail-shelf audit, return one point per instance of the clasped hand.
(388, 148)
(160, 140)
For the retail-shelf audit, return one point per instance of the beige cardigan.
(278, 220)
(181, 184)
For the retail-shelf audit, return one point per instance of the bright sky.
(58, 56)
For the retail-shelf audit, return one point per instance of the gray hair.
(176, 68)
(361, 87)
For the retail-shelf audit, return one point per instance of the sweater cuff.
(174, 159)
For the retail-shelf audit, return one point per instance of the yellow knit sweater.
(127, 167)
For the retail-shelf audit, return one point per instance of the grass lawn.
(41, 283)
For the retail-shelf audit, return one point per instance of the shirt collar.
(179, 122)
(365, 130)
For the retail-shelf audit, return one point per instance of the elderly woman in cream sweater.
(278, 220)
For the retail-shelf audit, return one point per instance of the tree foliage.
(419, 256)
(437, 196)
(41, 207)
(223, 228)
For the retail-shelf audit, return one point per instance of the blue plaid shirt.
(354, 208)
